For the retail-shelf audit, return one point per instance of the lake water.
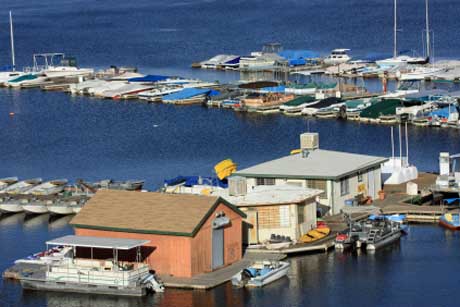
(53, 135)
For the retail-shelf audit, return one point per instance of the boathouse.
(285, 210)
(187, 234)
(341, 176)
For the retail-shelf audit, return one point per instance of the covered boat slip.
(91, 275)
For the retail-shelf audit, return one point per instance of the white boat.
(14, 204)
(95, 276)
(80, 88)
(108, 85)
(6, 76)
(421, 73)
(403, 60)
(261, 273)
(126, 91)
(22, 186)
(67, 71)
(5, 182)
(157, 93)
(67, 206)
(337, 56)
(38, 206)
(48, 188)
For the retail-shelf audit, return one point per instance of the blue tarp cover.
(274, 89)
(186, 93)
(190, 181)
(443, 113)
(148, 78)
(299, 54)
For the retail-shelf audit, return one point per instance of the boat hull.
(388, 240)
(448, 225)
(82, 288)
(35, 209)
(270, 277)
(61, 210)
(11, 208)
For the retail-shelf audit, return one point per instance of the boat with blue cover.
(187, 96)
(261, 273)
(450, 221)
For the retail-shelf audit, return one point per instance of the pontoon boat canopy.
(97, 242)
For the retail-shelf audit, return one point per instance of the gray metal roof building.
(319, 164)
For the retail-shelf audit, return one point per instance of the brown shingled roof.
(150, 212)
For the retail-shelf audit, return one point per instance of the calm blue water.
(54, 135)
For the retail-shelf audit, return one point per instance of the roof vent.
(309, 141)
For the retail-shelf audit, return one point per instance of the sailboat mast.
(13, 60)
(395, 30)
(427, 19)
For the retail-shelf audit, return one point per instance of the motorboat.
(126, 91)
(81, 88)
(261, 273)
(39, 205)
(157, 93)
(312, 109)
(301, 89)
(129, 185)
(421, 73)
(99, 89)
(67, 72)
(296, 105)
(337, 56)
(450, 221)
(5, 182)
(382, 237)
(68, 205)
(187, 96)
(265, 103)
(73, 273)
(21, 186)
(14, 204)
(48, 188)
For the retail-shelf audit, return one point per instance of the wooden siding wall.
(171, 254)
(202, 242)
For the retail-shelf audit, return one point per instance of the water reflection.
(34, 221)
(11, 219)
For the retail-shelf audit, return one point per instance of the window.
(360, 177)
(318, 184)
(265, 181)
(344, 187)
(301, 214)
(273, 217)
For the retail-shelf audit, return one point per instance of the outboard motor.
(154, 283)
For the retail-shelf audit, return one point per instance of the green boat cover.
(384, 107)
(302, 86)
(354, 103)
(326, 86)
(300, 100)
(23, 78)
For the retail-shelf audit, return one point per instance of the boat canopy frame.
(115, 244)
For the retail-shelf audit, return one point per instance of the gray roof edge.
(368, 165)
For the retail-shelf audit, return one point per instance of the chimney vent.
(309, 141)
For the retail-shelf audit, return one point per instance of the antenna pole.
(13, 60)
(400, 146)
(427, 31)
(395, 38)
(407, 147)
(392, 144)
